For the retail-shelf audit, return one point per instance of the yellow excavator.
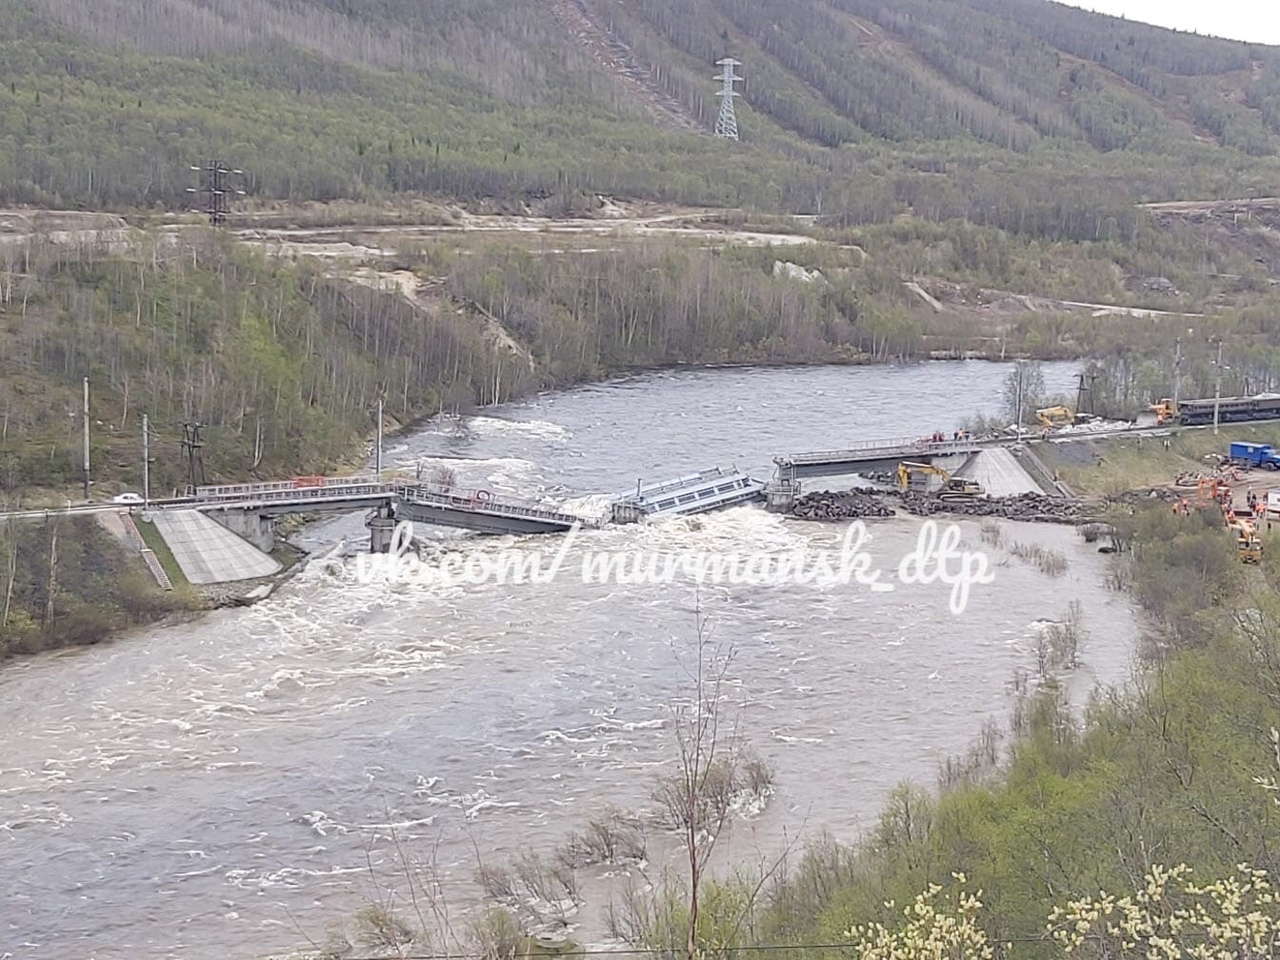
(1165, 411)
(1244, 527)
(915, 476)
(1051, 418)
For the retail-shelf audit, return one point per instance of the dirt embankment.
(69, 227)
(943, 296)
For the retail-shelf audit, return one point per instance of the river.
(220, 788)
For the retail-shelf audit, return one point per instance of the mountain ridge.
(848, 106)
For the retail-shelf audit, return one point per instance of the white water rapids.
(219, 788)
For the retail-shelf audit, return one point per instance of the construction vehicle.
(1165, 410)
(1054, 418)
(1051, 418)
(916, 476)
(1244, 526)
(1255, 455)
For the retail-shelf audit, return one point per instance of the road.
(77, 509)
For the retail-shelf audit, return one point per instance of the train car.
(1265, 406)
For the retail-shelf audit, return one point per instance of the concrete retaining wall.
(248, 525)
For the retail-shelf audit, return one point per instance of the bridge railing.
(300, 488)
(871, 449)
(479, 501)
(649, 491)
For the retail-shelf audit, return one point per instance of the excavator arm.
(907, 469)
(952, 487)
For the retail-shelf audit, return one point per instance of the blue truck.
(1255, 455)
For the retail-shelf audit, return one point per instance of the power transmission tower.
(215, 190)
(726, 122)
(193, 456)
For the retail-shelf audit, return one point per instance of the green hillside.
(1038, 115)
(991, 151)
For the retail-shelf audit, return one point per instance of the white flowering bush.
(1171, 918)
(936, 929)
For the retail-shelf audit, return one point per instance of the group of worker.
(939, 437)
(1257, 506)
(1226, 501)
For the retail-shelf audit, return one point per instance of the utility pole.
(378, 459)
(86, 438)
(1177, 372)
(1217, 389)
(193, 453)
(146, 463)
(1017, 402)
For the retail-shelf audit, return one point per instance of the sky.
(1256, 21)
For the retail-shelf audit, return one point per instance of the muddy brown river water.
(219, 789)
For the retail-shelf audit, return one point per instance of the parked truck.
(1255, 455)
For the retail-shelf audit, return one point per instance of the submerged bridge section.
(695, 493)
(872, 455)
(478, 510)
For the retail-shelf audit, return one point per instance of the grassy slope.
(1112, 466)
(152, 538)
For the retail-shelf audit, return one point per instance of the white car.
(127, 498)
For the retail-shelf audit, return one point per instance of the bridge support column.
(382, 528)
(249, 525)
(780, 495)
(625, 512)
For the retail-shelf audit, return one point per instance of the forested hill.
(849, 105)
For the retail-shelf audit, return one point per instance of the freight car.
(1264, 406)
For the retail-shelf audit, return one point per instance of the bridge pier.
(780, 495)
(249, 525)
(382, 529)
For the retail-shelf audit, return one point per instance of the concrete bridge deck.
(419, 502)
(873, 455)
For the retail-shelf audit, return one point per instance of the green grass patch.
(1110, 466)
(168, 562)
